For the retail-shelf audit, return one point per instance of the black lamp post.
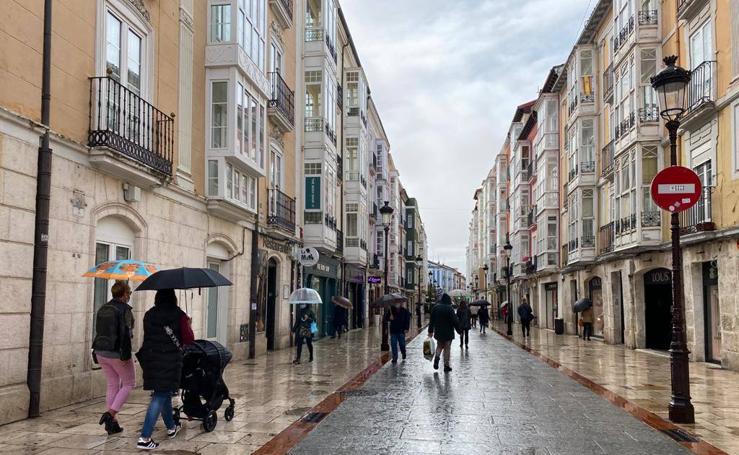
(387, 217)
(671, 84)
(507, 253)
(419, 264)
(485, 269)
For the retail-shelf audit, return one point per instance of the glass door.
(106, 252)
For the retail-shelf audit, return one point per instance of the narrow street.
(498, 399)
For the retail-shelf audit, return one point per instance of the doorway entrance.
(618, 302)
(595, 291)
(216, 310)
(273, 290)
(550, 297)
(658, 308)
(711, 311)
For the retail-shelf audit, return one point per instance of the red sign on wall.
(676, 189)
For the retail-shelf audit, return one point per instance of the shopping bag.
(314, 328)
(429, 348)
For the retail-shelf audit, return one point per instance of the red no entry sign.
(676, 188)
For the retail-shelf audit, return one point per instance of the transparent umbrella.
(305, 296)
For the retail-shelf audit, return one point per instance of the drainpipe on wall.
(41, 231)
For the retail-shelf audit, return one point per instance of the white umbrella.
(457, 293)
(503, 303)
(306, 296)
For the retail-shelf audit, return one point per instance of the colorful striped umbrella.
(127, 269)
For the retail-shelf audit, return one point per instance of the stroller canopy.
(216, 356)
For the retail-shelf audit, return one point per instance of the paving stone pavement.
(498, 399)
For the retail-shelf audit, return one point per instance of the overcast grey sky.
(446, 76)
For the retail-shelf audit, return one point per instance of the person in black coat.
(340, 321)
(526, 313)
(166, 330)
(442, 325)
(465, 324)
(400, 322)
(483, 317)
(303, 334)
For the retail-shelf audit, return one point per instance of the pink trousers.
(121, 378)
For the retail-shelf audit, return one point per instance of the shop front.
(550, 303)
(324, 278)
(595, 293)
(355, 292)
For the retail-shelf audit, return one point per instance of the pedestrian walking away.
(474, 310)
(400, 322)
(112, 351)
(340, 321)
(526, 314)
(484, 317)
(166, 330)
(303, 333)
(465, 324)
(587, 323)
(442, 325)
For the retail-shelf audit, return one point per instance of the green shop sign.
(313, 193)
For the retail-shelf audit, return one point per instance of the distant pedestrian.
(587, 323)
(340, 321)
(112, 351)
(465, 324)
(166, 330)
(442, 325)
(473, 313)
(303, 333)
(504, 312)
(400, 322)
(526, 313)
(484, 318)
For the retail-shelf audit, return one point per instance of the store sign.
(659, 276)
(374, 280)
(275, 245)
(676, 189)
(313, 193)
(308, 257)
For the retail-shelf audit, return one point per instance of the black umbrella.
(480, 303)
(388, 299)
(582, 305)
(183, 278)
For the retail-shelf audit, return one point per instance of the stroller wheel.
(210, 421)
(228, 414)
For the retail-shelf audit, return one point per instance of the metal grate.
(313, 417)
(680, 435)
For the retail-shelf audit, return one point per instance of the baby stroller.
(203, 389)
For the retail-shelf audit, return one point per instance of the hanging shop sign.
(313, 193)
(276, 245)
(374, 280)
(308, 257)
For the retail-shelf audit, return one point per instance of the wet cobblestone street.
(498, 399)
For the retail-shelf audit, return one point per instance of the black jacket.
(464, 315)
(160, 356)
(483, 315)
(114, 329)
(443, 321)
(400, 320)
(525, 312)
(304, 323)
(340, 318)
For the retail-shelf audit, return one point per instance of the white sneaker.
(146, 444)
(173, 432)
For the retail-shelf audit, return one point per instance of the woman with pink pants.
(112, 350)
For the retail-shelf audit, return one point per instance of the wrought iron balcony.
(313, 217)
(605, 238)
(530, 267)
(281, 105)
(588, 240)
(353, 112)
(313, 124)
(651, 218)
(698, 217)
(573, 105)
(648, 17)
(571, 176)
(352, 177)
(624, 33)
(587, 167)
(626, 125)
(701, 88)
(281, 211)
(649, 114)
(313, 34)
(124, 122)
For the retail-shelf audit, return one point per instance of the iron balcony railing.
(700, 89)
(607, 160)
(588, 240)
(573, 104)
(624, 33)
(330, 133)
(572, 175)
(281, 210)
(313, 124)
(313, 217)
(313, 34)
(625, 224)
(123, 121)
(353, 112)
(587, 167)
(649, 114)
(530, 220)
(282, 98)
(573, 244)
(648, 17)
(698, 217)
(530, 267)
(651, 218)
(605, 238)
(625, 125)
(340, 96)
(352, 176)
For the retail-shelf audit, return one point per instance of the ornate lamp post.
(387, 217)
(671, 84)
(485, 269)
(507, 253)
(419, 264)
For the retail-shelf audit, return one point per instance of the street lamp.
(485, 279)
(671, 85)
(387, 217)
(419, 264)
(507, 253)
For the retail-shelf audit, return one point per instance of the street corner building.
(570, 186)
(219, 134)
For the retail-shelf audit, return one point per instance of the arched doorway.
(595, 293)
(272, 297)
(658, 308)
